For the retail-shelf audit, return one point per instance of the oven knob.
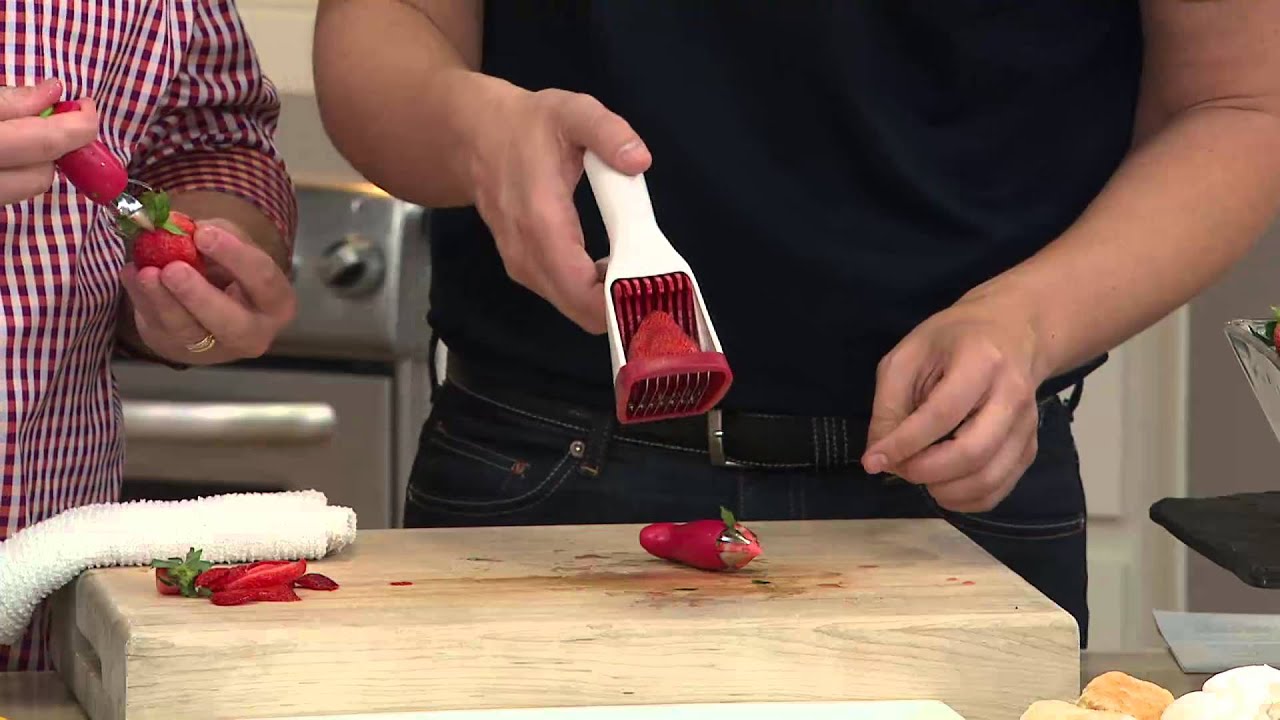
(352, 266)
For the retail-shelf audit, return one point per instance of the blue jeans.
(486, 460)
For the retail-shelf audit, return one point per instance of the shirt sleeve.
(215, 130)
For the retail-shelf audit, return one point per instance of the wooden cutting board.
(581, 616)
(851, 710)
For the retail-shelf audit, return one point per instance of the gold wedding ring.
(206, 344)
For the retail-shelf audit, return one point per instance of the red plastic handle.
(92, 169)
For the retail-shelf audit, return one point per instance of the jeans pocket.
(483, 460)
(1048, 502)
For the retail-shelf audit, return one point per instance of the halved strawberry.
(660, 336)
(270, 593)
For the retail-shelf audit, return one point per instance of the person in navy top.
(918, 227)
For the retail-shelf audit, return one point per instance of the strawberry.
(179, 576)
(265, 575)
(172, 240)
(268, 593)
(1273, 336)
(315, 581)
(660, 336)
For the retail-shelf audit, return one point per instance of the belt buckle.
(715, 439)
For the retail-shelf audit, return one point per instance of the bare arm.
(1200, 186)
(410, 69)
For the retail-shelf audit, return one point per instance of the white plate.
(852, 710)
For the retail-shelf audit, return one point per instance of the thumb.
(26, 101)
(590, 125)
(893, 403)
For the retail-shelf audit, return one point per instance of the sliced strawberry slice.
(270, 593)
(266, 575)
(315, 581)
(220, 581)
(212, 577)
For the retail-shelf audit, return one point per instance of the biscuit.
(1118, 692)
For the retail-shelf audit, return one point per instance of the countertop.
(42, 696)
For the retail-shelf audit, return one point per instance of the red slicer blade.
(668, 386)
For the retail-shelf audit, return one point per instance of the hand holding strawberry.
(201, 292)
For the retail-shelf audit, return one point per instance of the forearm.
(1180, 210)
(400, 100)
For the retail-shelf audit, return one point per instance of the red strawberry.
(159, 247)
(315, 581)
(270, 593)
(173, 238)
(660, 336)
(265, 575)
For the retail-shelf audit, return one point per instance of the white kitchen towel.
(238, 527)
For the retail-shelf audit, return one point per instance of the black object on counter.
(1240, 533)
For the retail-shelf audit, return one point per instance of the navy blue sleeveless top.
(834, 171)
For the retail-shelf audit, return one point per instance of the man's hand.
(29, 144)
(969, 371)
(528, 161)
(243, 304)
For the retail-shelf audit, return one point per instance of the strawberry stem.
(729, 520)
(183, 572)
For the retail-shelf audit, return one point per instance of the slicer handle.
(623, 200)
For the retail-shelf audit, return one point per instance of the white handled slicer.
(645, 275)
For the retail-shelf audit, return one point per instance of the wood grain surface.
(581, 616)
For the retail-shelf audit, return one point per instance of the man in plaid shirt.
(175, 91)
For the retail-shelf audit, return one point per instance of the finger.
(983, 490)
(137, 296)
(894, 399)
(35, 140)
(25, 101)
(233, 324)
(25, 182)
(976, 441)
(962, 387)
(569, 277)
(169, 314)
(589, 124)
(257, 274)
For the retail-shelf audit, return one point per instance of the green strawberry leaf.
(729, 520)
(172, 228)
(47, 112)
(157, 206)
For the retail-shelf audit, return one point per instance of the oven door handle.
(224, 423)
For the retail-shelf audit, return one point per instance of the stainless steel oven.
(337, 403)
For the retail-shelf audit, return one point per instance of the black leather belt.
(730, 439)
